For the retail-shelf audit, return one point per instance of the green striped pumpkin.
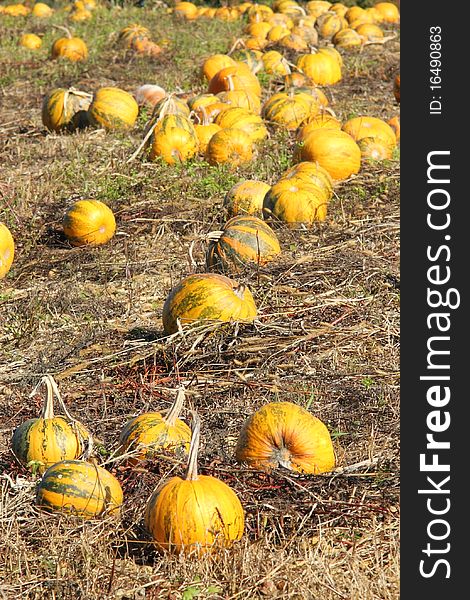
(207, 298)
(113, 108)
(288, 110)
(241, 118)
(246, 197)
(65, 109)
(149, 432)
(79, 488)
(295, 201)
(40, 442)
(245, 241)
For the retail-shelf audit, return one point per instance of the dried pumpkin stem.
(176, 408)
(191, 471)
(48, 408)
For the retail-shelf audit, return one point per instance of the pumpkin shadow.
(54, 237)
(145, 334)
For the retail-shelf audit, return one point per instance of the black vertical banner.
(434, 314)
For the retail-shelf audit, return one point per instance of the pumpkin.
(347, 38)
(275, 63)
(259, 12)
(259, 29)
(251, 57)
(315, 8)
(375, 148)
(294, 41)
(174, 139)
(333, 149)
(41, 442)
(241, 99)
(245, 241)
(214, 64)
(230, 146)
(7, 250)
(297, 79)
(41, 10)
(288, 109)
(283, 434)
(201, 101)
(296, 202)
(79, 488)
(186, 10)
(396, 88)
(71, 48)
(388, 11)
(129, 34)
(65, 109)
(361, 127)
(80, 15)
(277, 32)
(146, 47)
(237, 77)
(204, 133)
(149, 94)
(321, 67)
(321, 121)
(113, 108)
(226, 13)
(370, 32)
(143, 436)
(313, 173)
(197, 514)
(30, 41)
(89, 223)
(339, 9)
(353, 13)
(394, 123)
(308, 34)
(330, 23)
(207, 297)
(246, 197)
(241, 118)
(170, 105)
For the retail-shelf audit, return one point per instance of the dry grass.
(327, 338)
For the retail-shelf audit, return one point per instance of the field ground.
(327, 334)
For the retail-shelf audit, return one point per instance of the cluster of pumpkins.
(79, 10)
(60, 449)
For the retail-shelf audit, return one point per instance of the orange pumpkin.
(71, 48)
(285, 434)
(365, 126)
(89, 223)
(194, 515)
(237, 77)
(7, 250)
(295, 201)
(214, 63)
(113, 109)
(241, 118)
(30, 41)
(230, 146)
(246, 197)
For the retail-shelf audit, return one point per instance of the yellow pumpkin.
(7, 250)
(65, 109)
(237, 77)
(30, 41)
(207, 298)
(321, 67)
(241, 118)
(186, 10)
(113, 108)
(317, 7)
(241, 99)
(370, 32)
(89, 223)
(321, 121)
(214, 63)
(204, 133)
(194, 515)
(275, 63)
(41, 10)
(361, 127)
(143, 436)
(79, 488)
(40, 442)
(246, 197)
(283, 434)
(347, 38)
(71, 48)
(388, 11)
(174, 139)
(333, 149)
(129, 34)
(289, 109)
(230, 146)
(295, 201)
(312, 173)
(375, 148)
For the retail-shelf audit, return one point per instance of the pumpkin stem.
(239, 290)
(191, 471)
(47, 411)
(176, 407)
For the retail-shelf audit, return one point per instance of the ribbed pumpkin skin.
(241, 118)
(321, 67)
(294, 201)
(246, 241)
(246, 197)
(113, 108)
(89, 223)
(174, 144)
(232, 146)
(285, 434)
(197, 517)
(149, 432)
(362, 127)
(65, 109)
(74, 49)
(288, 111)
(7, 250)
(128, 35)
(334, 150)
(80, 488)
(43, 442)
(206, 297)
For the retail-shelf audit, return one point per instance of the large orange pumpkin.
(246, 197)
(296, 202)
(71, 48)
(113, 108)
(194, 515)
(65, 109)
(89, 223)
(230, 146)
(285, 434)
(207, 298)
(236, 77)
